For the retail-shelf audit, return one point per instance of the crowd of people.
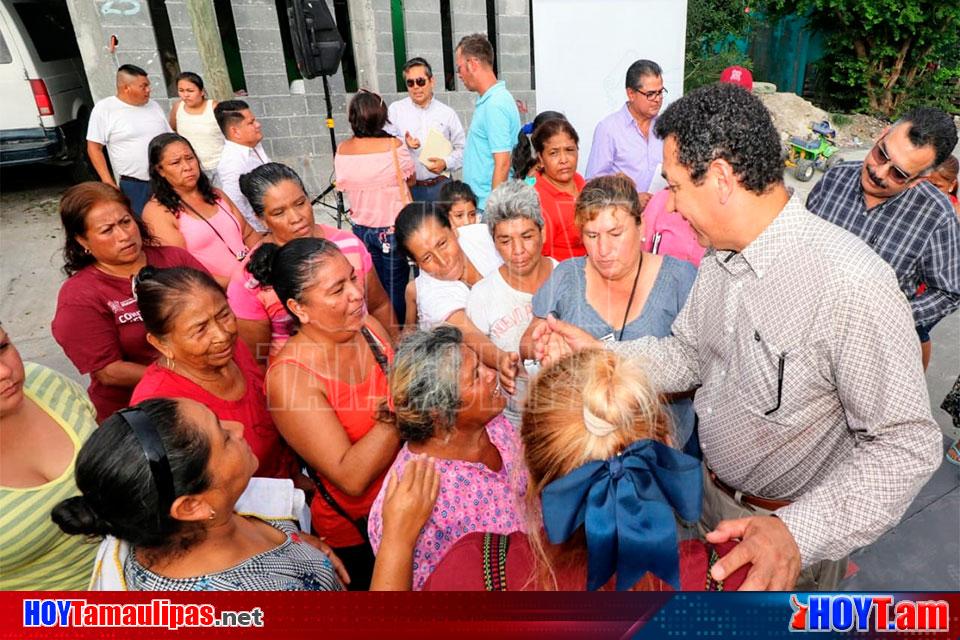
(528, 379)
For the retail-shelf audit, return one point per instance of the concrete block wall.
(422, 21)
(293, 119)
(187, 52)
(132, 25)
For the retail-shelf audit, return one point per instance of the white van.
(44, 98)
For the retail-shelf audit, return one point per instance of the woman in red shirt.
(97, 322)
(190, 323)
(558, 185)
(326, 388)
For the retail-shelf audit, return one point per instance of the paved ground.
(921, 553)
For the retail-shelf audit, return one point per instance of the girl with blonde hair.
(605, 487)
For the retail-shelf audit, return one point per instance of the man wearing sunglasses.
(886, 202)
(624, 141)
(412, 118)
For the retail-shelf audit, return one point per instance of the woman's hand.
(508, 366)
(327, 550)
(408, 502)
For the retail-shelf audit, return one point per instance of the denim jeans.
(392, 268)
(138, 192)
(427, 194)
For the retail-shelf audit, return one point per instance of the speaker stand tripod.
(341, 212)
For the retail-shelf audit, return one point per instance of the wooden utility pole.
(203, 18)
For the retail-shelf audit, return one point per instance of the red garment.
(276, 458)
(462, 568)
(98, 322)
(355, 406)
(561, 237)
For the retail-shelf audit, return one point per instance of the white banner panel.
(583, 49)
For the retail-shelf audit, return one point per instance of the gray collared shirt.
(846, 431)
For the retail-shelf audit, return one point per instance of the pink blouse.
(250, 301)
(472, 498)
(676, 236)
(216, 243)
(372, 186)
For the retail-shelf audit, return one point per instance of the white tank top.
(203, 133)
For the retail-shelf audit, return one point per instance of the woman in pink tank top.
(326, 390)
(186, 211)
(279, 199)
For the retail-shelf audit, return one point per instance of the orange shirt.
(561, 237)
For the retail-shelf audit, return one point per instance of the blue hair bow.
(626, 505)
(527, 129)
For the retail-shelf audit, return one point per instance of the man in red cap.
(738, 75)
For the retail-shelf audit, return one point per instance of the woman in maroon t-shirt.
(97, 322)
(188, 320)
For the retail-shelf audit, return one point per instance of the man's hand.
(767, 544)
(412, 142)
(644, 199)
(554, 339)
(435, 165)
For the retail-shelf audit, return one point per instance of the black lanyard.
(633, 291)
(239, 255)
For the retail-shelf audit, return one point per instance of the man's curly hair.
(725, 121)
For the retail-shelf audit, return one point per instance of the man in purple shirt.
(624, 141)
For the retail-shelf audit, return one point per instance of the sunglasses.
(420, 82)
(651, 95)
(881, 157)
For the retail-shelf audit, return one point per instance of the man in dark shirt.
(887, 203)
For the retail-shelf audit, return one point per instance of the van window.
(5, 57)
(50, 29)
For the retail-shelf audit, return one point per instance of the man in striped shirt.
(888, 204)
(815, 422)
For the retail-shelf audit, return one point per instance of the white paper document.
(435, 146)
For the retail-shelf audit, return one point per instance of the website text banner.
(143, 616)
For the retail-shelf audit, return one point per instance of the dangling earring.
(170, 363)
(213, 514)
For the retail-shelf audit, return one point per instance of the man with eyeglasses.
(411, 120)
(624, 141)
(495, 125)
(887, 203)
(815, 422)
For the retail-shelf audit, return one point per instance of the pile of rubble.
(792, 115)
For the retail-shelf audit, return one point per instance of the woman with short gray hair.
(448, 406)
(500, 305)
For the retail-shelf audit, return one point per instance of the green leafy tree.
(715, 34)
(891, 53)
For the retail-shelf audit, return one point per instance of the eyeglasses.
(651, 95)
(420, 82)
(881, 157)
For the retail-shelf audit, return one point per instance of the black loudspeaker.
(316, 40)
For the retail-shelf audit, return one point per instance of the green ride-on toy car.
(818, 151)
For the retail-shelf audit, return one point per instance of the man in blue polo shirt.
(496, 120)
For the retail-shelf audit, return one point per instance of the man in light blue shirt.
(496, 120)
(624, 141)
